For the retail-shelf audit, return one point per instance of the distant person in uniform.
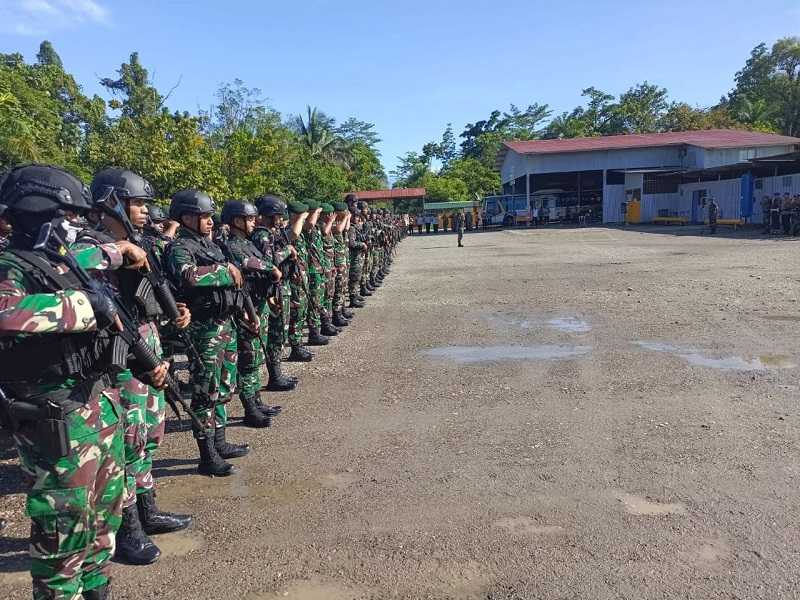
(459, 221)
(420, 223)
(428, 221)
(713, 213)
(766, 203)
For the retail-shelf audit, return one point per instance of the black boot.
(369, 287)
(348, 314)
(226, 449)
(99, 593)
(315, 338)
(156, 521)
(278, 382)
(356, 302)
(375, 283)
(133, 545)
(365, 292)
(339, 320)
(211, 462)
(300, 354)
(268, 410)
(253, 417)
(327, 328)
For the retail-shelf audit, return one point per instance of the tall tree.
(47, 55)
(139, 98)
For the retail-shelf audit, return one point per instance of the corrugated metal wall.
(613, 197)
(674, 203)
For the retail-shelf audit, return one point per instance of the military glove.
(105, 313)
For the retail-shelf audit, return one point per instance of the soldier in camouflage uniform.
(316, 275)
(209, 285)
(325, 227)
(357, 248)
(122, 196)
(341, 316)
(64, 414)
(299, 283)
(271, 237)
(260, 278)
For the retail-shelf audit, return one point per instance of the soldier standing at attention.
(60, 405)
(341, 315)
(328, 262)
(271, 237)
(121, 195)
(316, 276)
(357, 248)
(299, 212)
(209, 285)
(260, 277)
(460, 227)
(713, 213)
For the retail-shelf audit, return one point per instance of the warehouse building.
(644, 178)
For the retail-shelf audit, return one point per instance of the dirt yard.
(587, 413)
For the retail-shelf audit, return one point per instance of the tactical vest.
(48, 358)
(260, 284)
(208, 302)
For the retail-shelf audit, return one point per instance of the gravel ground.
(592, 413)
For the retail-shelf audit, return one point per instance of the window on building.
(747, 154)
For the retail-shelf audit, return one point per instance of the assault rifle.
(129, 340)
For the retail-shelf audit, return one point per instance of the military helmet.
(40, 188)
(269, 206)
(156, 213)
(237, 208)
(3, 208)
(123, 182)
(190, 202)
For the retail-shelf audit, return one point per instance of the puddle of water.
(570, 325)
(478, 354)
(310, 590)
(636, 505)
(179, 544)
(726, 363)
(525, 526)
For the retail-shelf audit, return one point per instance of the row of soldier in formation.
(88, 313)
(781, 213)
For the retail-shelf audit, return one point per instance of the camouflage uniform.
(354, 241)
(340, 271)
(299, 283)
(271, 243)
(198, 268)
(316, 278)
(75, 501)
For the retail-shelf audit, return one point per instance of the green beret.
(327, 209)
(296, 208)
(340, 206)
(312, 205)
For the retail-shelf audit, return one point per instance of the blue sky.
(410, 67)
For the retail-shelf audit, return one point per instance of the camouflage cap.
(296, 208)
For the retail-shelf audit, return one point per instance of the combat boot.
(299, 354)
(226, 449)
(375, 283)
(339, 320)
(356, 302)
(268, 410)
(156, 521)
(328, 328)
(315, 338)
(211, 462)
(365, 292)
(99, 593)
(133, 546)
(368, 286)
(347, 313)
(278, 382)
(252, 416)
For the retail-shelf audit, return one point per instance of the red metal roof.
(393, 194)
(708, 138)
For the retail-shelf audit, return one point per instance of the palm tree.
(316, 133)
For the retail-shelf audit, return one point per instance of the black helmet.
(3, 208)
(190, 202)
(156, 213)
(124, 183)
(42, 189)
(269, 206)
(237, 208)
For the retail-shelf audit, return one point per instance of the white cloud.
(39, 17)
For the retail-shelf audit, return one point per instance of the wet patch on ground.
(701, 358)
(179, 544)
(638, 505)
(481, 354)
(526, 526)
(312, 589)
(565, 324)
